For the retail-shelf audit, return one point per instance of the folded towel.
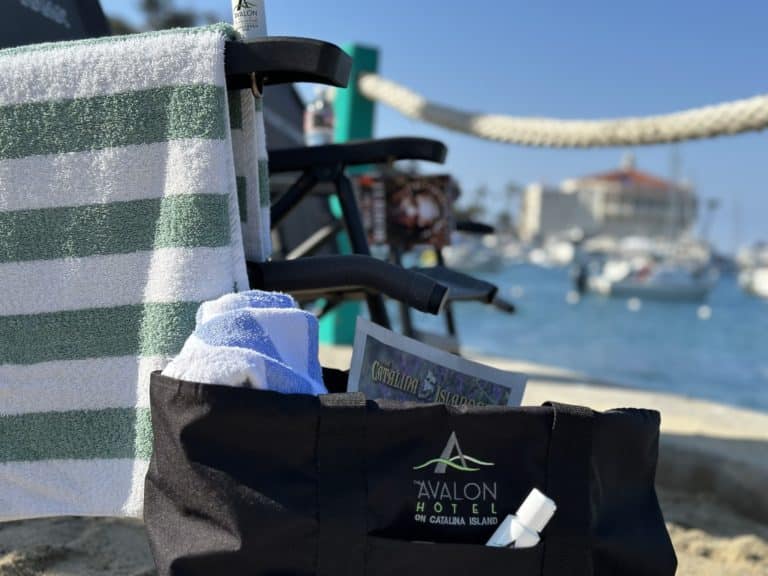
(246, 356)
(264, 348)
(119, 214)
(251, 299)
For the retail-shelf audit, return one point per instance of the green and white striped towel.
(119, 214)
(250, 148)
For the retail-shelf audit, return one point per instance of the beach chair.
(276, 62)
(322, 173)
(328, 165)
(78, 340)
(323, 170)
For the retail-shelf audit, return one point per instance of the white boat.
(755, 281)
(752, 257)
(654, 281)
(512, 252)
(553, 254)
(561, 253)
(753, 262)
(468, 254)
(539, 257)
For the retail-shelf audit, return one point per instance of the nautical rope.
(750, 114)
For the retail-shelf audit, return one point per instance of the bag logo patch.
(459, 462)
(455, 502)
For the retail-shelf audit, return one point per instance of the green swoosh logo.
(452, 463)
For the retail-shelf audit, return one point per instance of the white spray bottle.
(522, 530)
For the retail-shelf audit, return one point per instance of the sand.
(74, 546)
(710, 540)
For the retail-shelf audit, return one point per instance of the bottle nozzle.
(536, 511)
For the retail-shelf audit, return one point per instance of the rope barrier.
(750, 114)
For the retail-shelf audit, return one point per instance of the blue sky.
(565, 58)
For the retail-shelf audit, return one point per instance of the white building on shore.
(618, 203)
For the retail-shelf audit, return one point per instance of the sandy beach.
(710, 540)
(714, 533)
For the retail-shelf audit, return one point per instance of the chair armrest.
(356, 154)
(504, 305)
(283, 60)
(349, 273)
(461, 287)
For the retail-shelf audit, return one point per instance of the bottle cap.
(536, 511)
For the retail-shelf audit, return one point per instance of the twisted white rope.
(750, 114)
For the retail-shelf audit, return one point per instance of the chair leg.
(406, 321)
(292, 197)
(359, 241)
(315, 241)
(450, 322)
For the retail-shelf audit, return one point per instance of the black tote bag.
(246, 482)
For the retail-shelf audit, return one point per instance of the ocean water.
(660, 346)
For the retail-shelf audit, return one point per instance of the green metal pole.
(354, 112)
(354, 121)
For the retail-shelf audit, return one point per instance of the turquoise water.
(663, 346)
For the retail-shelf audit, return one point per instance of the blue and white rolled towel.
(255, 339)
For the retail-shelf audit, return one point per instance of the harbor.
(614, 275)
(618, 340)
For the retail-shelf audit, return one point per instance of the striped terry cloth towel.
(119, 214)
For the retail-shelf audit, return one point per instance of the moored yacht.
(660, 271)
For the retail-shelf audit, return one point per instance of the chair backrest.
(284, 116)
(33, 21)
